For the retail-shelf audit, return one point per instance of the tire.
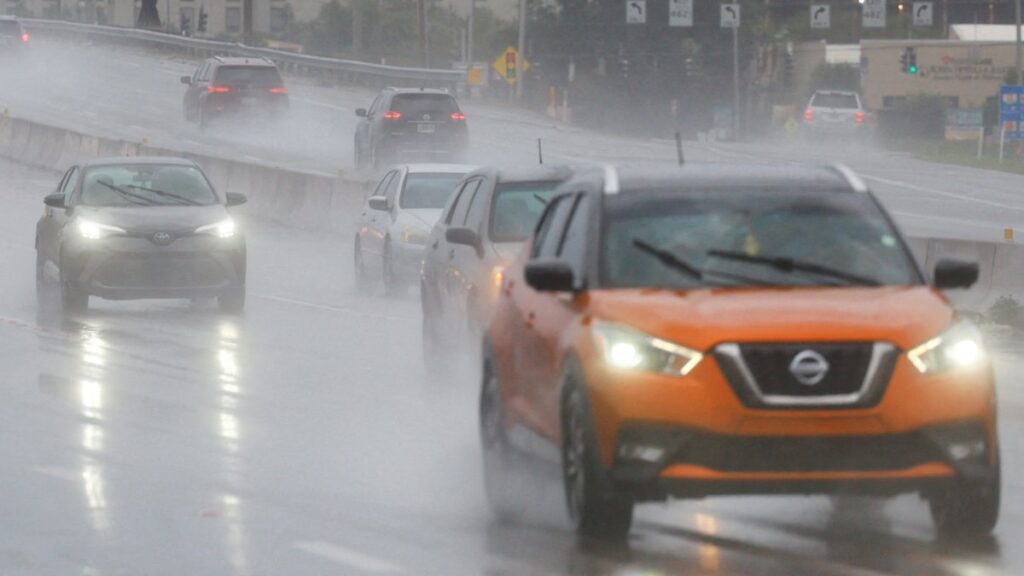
(233, 301)
(496, 453)
(72, 299)
(967, 509)
(362, 281)
(594, 509)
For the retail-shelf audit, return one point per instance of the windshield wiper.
(136, 199)
(170, 195)
(669, 259)
(541, 199)
(785, 264)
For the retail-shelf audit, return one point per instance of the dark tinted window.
(517, 206)
(428, 190)
(249, 75)
(842, 231)
(145, 185)
(10, 28)
(834, 100)
(465, 200)
(438, 106)
(550, 234)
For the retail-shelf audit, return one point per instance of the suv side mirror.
(361, 112)
(54, 201)
(186, 80)
(549, 276)
(379, 203)
(236, 199)
(465, 237)
(951, 273)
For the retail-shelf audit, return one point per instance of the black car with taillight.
(224, 87)
(411, 125)
(12, 35)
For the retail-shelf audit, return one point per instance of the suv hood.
(154, 218)
(702, 319)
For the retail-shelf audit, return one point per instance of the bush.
(836, 77)
(918, 116)
(1007, 311)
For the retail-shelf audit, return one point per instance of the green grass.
(963, 154)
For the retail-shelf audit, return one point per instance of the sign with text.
(821, 16)
(1011, 111)
(874, 14)
(923, 14)
(964, 123)
(680, 12)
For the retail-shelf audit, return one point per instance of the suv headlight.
(224, 229)
(94, 230)
(959, 347)
(628, 349)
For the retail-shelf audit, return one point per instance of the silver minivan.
(835, 112)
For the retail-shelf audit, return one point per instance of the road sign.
(923, 13)
(730, 15)
(680, 12)
(1011, 111)
(509, 65)
(636, 11)
(821, 16)
(964, 123)
(874, 14)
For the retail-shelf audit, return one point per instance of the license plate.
(425, 128)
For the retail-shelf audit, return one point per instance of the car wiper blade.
(669, 259)
(164, 194)
(129, 196)
(785, 264)
(541, 199)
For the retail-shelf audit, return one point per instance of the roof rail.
(850, 177)
(611, 179)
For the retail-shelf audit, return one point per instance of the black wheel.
(593, 508)
(393, 286)
(233, 301)
(499, 484)
(363, 283)
(967, 509)
(73, 300)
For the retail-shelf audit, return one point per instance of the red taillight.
(859, 118)
(809, 115)
(392, 115)
(25, 37)
(279, 90)
(218, 89)
(458, 116)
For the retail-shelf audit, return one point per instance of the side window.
(573, 247)
(549, 232)
(208, 73)
(199, 72)
(375, 107)
(465, 201)
(383, 185)
(475, 214)
(392, 190)
(69, 185)
(453, 203)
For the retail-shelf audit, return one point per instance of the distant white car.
(835, 112)
(392, 231)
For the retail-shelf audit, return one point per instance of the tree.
(149, 17)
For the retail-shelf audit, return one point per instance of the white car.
(835, 112)
(392, 231)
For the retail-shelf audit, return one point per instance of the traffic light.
(186, 24)
(201, 27)
(908, 61)
(787, 67)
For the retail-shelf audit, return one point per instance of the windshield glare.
(428, 191)
(837, 230)
(249, 75)
(145, 185)
(517, 207)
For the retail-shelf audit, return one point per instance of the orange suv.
(721, 330)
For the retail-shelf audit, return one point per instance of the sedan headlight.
(959, 347)
(94, 230)
(414, 236)
(224, 229)
(628, 349)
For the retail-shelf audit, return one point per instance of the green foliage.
(331, 33)
(1007, 311)
(835, 77)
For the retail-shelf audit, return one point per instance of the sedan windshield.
(774, 238)
(146, 185)
(517, 207)
(428, 191)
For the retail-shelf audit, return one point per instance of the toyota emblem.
(161, 238)
(426, 116)
(809, 367)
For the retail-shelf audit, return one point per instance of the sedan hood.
(701, 319)
(154, 218)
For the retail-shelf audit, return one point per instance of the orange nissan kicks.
(735, 330)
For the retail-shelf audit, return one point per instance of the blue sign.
(1011, 111)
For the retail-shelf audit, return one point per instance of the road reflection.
(93, 354)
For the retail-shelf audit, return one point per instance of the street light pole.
(1017, 46)
(522, 50)
(736, 82)
(469, 42)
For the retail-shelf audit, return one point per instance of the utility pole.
(1017, 47)
(421, 21)
(736, 82)
(522, 50)
(469, 41)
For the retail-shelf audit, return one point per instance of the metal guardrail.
(351, 69)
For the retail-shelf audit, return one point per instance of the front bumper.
(129, 268)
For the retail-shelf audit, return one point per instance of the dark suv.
(12, 35)
(234, 86)
(410, 125)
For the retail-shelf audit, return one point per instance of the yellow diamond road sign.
(510, 66)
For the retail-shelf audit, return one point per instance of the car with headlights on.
(726, 330)
(391, 234)
(13, 36)
(487, 219)
(138, 228)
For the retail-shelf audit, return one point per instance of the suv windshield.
(438, 106)
(428, 190)
(248, 75)
(10, 28)
(834, 100)
(146, 185)
(517, 207)
(772, 237)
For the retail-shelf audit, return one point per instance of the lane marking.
(326, 308)
(349, 558)
(318, 103)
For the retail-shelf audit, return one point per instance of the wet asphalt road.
(161, 438)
